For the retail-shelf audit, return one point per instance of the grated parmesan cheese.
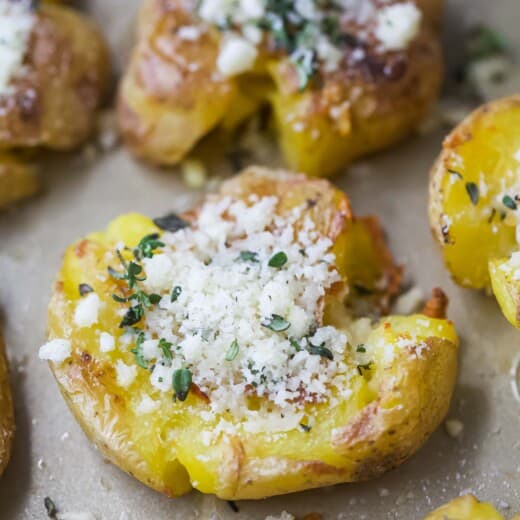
(236, 56)
(17, 20)
(57, 350)
(397, 25)
(106, 342)
(87, 310)
(125, 374)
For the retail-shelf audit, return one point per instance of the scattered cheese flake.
(106, 342)
(17, 20)
(236, 56)
(87, 309)
(57, 350)
(146, 405)
(454, 428)
(125, 374)
(397, 25)
(283, 516)
(194, 173)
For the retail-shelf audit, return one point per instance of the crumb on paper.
(194, 173)
(454, 428)
(107, 130)
(65, 436)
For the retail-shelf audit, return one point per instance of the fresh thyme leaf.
(176, 292)
(321, 351)
(276, 323)
(123, 299)
(233, 351)
(171, 222)
(305, 427)
(295, 344)
(132, 271)
(181, 381)
(509, 202)
(84, 288)
(133, 315)
(50, 507)
(473, 192)
(278, 260)
(366, 366)
(138, 351)
(248, 256)
(154, 299)
(361, 348)
(147, 246)
(165, 347)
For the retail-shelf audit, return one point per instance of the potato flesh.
(465, 508)
(248, 465)
(482, 151)
(162, 120)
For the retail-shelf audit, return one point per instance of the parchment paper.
(52, 456)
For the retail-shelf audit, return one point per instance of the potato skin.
(18, 180)
(7, 425)
(54, 102)
(393, 411)
(165, 108)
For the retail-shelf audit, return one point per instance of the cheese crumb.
(56, 350)
(283, 516)
(454, 428)
(87, 309)
(106, 342)
(236, 56)
(17, 20)
(397, 25)
(125, 374)
(146, 405)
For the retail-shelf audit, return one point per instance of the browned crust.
(67, 73)
(383, 96)
(7, 425)
(437, 305)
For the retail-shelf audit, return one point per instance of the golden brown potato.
(474, 202)
(174, 92)
(465, 508)
(399, 371)
(18, 180)
(65, 74)
(6, 411)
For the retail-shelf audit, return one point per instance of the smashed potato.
(336, 90)
(218, 350)
(51, 83)
(6, 411)
(466, 508)
(474, 198)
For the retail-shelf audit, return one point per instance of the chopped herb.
(50, 507)
(84, 288)
(233, 506)
(302, 252)
(171, 222)
(305, 427)
(366, 366)
(165, 347)
(133, 315)
(147, 246)
(453, 172)
(295, 344)
(473, 192)
(502, 215)
(492, 215)
(276, 323)
(483, 42)
(278, 260)
(361, 348)
(138, 351)
(181, 382)
(176, 292)
(509, 202)
(321, 351)
(248, 256)
(233, 351)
